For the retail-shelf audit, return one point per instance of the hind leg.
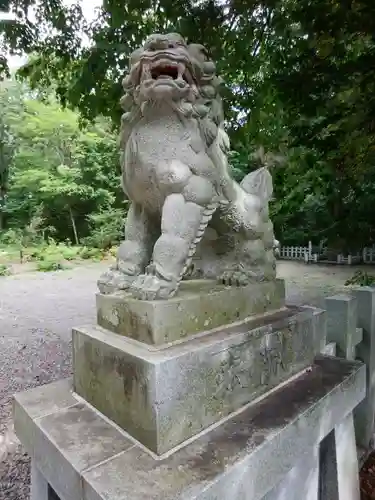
(250, 262)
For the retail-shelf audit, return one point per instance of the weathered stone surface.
(243, 459)
(163, 397)
(48, 399)
(200, 305)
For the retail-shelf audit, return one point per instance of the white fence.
(306, 254)
(368, 255)
(293, 253)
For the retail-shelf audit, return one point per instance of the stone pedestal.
(268, 451)
(214, 394)
(199, 306)
(164, 397)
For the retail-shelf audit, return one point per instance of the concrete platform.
(200, 305)
(254, 455)
(164, 397)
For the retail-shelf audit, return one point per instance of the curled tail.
(259, 183)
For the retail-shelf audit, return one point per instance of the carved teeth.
(160, 69)
(163, 62)
(181, 70)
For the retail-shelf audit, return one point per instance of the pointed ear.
(259, 183)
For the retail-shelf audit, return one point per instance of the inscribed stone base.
(83, 456)
(164, 397)
(199, 306)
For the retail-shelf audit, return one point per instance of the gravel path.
(37, 312)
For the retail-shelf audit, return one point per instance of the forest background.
(299, 97)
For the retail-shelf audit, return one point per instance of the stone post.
(364, 413)
(342, 324)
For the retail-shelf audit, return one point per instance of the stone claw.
(152, 287)
(114, 280)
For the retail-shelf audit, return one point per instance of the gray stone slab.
(165, 397)
(245, 458)
(47, 398)
(199, 306)
(75, 432)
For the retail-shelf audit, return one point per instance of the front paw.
(152, 287)
(114, 280)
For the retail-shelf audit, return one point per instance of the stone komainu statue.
(187, 218)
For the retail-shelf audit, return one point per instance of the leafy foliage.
(4, 270)
(300, 84)
(361, 278)
(60, 174)
(106, 228)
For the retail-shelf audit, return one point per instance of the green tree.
(66, 172)
(320, 66)
(7, 152)
(300, 82)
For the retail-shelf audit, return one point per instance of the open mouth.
(166, 70)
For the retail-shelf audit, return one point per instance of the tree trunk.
(76, 239)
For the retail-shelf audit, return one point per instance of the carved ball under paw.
(151, 287)
(113, 280)
(238, 278)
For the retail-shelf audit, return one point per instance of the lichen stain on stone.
(103, 322)
(110, 315)
(138, 328)
(132, 379)
(89, 376)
